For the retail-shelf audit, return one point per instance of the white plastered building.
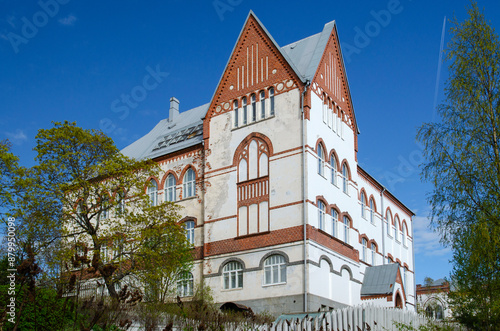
(281, 216)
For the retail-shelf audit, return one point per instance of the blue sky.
(73, 60)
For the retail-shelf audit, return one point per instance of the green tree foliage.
(463, 156)
(8, 168)
(87, 208)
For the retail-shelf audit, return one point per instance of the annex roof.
(167, 136)
(380, 280)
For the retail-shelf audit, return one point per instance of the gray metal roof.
(184, 131)
(380, 279)
(306, 53)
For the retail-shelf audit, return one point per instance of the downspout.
(383, 233)
(413, 265)
(304, 196)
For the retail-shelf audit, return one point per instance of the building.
(432, 299)
(281, 216)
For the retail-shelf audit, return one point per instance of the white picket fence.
(360, 318)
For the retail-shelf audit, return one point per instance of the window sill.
(251, 123)
(274, 284)
(185, 199)
(232, 289)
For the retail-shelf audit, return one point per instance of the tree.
(8, 167)
(87, 204)
(463, 164)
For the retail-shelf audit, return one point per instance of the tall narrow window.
(333, 165)
(232, 274)
(271, 101)
(335, 219)
(153, 192)
(346, 225)
(105, 208)
(397, 229)
(254, 108)
(244, 104)
(275, 270)
(120, 199)
(236, 111)
(325, 109)
(342, 124)
(262, 104)
(363, 205)
(189, 228)
(389, 222)
(372, 211)
(189, 183)
(321, 161)
(374, 249)
(321, 215)
(364, 243)
(403, 234)
(170, 188)
(185, 285)
(345, 179)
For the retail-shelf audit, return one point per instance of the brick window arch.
(252, 159)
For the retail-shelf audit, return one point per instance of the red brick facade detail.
(332, 243)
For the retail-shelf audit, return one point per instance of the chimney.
(174, 109)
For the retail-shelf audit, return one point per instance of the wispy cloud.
(17, 137)
(425, 240)
(68, 20)
(3, 36)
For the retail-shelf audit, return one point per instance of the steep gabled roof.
(380, 280)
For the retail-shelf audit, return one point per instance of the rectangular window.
(236, 110)
(262, 105)
(254, 108)
(271, 100)
(245, 116)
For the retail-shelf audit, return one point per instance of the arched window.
(274, 270)
(325, 108)
(170, 188)
(236, 111)
(244, 104)
(185, 285)
(403, 234)
(389, 222)
(345, 178)
(153, 192)
(364, 243)
(372, 211)
(254, 107)
(335, 219)
(346, 225)
(189, 227)
(189, 182)
(333, 165)
(374, 250)
(321, 160)
(262, 104)
(271, 101)
(321, 215)
(253, 186)
(363, 205)
(232, 274)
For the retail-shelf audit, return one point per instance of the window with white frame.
(189, 228)
(232, 273)
(364, 244)
(105, 208)
(262, 104)
(333, 165)
(185, 285)
(325, 109)
(345, 179)
(363, 205)
(153, 192)
(321, 215)
(335, 219)
(120, 203)
(271, 101)
(372, 211)
(236, 113)
(334, 118)
(254, 107)
(244, 105)
(170, 188)
(373, 251)
(346, 225)
(189, 182)
(342, 124)
(389, 222)
(403, 234)
(321, 160)
(274, 270)
(397, 229)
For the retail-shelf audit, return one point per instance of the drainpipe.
(304, 196)
(413, 264)
(383, 233)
